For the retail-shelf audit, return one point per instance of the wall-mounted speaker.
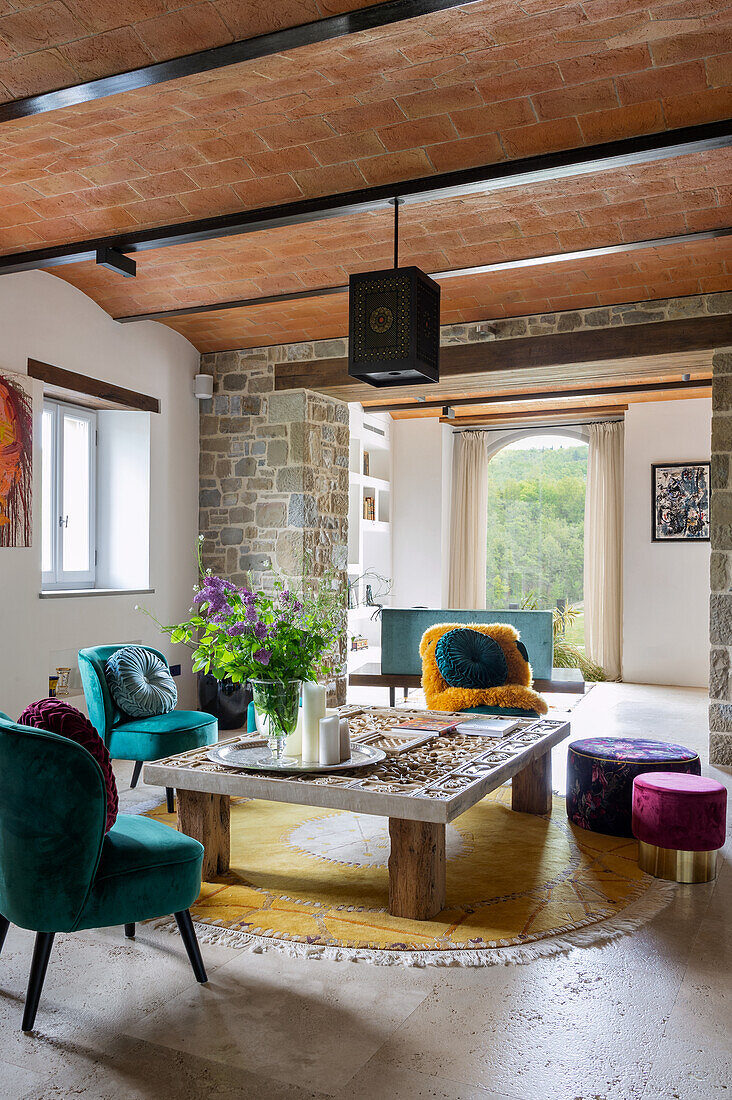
(203, 387)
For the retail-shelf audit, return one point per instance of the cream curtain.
(604, 548)
(469, 521)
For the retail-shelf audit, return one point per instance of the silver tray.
(260, 759)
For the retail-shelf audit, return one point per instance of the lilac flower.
(260, 632)
(285, 596)
(297, 606)
(263, 656)
(237, 630)
(214, 591)
(251, 613)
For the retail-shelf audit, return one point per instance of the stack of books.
(369, 508)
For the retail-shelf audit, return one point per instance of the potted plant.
(273, 638)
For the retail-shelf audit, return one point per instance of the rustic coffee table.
(420, 790)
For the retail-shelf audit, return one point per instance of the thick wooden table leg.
(206, 817)
(531, 788)
(416, 869)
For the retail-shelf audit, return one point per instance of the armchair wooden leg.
(39, 965)
(136, 773)
(4, 925)
(188, 935)
(170, 799)
(130, 931)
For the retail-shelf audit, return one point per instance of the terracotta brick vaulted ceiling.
(481, 84)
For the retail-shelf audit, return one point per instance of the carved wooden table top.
(432, 782)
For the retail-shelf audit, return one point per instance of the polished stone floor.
(647, 1016)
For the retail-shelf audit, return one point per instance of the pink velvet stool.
(679, 821)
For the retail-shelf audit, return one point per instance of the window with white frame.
(69, 471)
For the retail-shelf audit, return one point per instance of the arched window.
(536, 520)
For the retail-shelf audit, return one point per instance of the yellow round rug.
(314, 881)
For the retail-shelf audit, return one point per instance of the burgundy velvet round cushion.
(57, 717)
(672, 810)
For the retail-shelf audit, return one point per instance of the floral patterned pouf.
(600, 774)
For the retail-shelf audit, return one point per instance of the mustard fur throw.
(517, 692)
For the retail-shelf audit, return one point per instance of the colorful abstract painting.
(680, 502)
(16, 461)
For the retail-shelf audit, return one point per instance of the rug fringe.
(596, 934)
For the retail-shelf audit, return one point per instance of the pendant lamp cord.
(396, 233)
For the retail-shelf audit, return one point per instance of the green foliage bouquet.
(240, 634)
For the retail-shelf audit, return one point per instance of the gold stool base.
(675, 864)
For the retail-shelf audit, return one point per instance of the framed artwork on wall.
(16, 461)
(680, 501)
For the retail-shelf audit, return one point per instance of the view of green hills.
(536, 513)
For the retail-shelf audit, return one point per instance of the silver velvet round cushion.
(140, 683)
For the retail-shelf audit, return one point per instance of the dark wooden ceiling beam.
(531, 352)
(442, 276)
(628, 388)
(546, 167)
(249, 49)
(60, 381)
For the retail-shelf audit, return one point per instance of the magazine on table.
(478, 725)
(488, 725)
(430, 725)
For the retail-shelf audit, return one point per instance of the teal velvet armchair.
(139, 739)
(59, 872)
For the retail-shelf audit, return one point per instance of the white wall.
(420, 450)
(42, 317)
(666, 585)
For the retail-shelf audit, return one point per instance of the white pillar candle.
(313, 709)
(345, 736)
(330, 741)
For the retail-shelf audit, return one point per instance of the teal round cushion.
(469, 659)
(140, 683)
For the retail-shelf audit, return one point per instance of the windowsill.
(70, 593)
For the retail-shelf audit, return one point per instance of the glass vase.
(276, 706)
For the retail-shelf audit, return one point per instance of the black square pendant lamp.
(394, 324)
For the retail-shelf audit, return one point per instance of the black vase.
(224, 700)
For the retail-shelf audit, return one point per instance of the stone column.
(273, 478)
(720, 607)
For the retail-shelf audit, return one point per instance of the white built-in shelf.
(369, 482)
(369, 541)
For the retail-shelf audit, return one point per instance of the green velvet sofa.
(402, 629)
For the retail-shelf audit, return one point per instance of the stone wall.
(273, 477)
(539, 324)
(720, 607)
